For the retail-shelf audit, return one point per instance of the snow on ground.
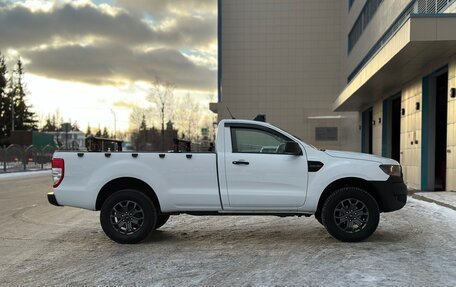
(44, 245)
(435, 209)
(445, 198)
(24, 174)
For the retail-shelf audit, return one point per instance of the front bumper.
(392, 193)
(51, 198)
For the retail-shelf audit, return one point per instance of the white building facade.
(377, 76)
(401, 77)
(284, 59)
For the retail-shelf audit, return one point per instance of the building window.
(366, 15)
(350, 4)
(326, 134)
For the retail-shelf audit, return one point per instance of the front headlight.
(392, 170)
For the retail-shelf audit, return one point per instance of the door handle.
(241, 162)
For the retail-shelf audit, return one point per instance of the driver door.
(259, 175)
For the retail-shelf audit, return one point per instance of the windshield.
(312, 146)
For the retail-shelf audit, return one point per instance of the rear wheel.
(161, 220)
(128, 216)
(350, 214)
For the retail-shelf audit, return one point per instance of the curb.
(424, 198)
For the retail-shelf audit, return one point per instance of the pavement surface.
(43, 245)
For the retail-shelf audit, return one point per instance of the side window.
(250, 140)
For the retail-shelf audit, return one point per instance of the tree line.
(15, 113)
(55, 122)
(99, 133)
(187, 115)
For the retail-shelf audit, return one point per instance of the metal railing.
(415, 7)
(18, 158)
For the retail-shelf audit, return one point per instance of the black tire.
(161, 220)
(350, 214)
(128, 216)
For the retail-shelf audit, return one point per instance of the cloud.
(22, 27)
(124, 104)
(162, 8)
(116, 64)
(189, 30)
(81, 41)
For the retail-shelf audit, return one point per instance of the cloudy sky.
(87, 57)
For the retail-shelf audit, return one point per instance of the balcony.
(419, 41)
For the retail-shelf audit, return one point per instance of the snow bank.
(24, 174)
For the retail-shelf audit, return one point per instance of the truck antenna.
(232, 117)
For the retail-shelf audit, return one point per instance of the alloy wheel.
(351, 215)
(127, 217)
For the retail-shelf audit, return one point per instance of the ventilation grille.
(441, 4)
(431, 6)
(422, 6)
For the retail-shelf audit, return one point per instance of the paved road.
(46, 245)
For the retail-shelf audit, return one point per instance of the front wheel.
(350, 214)
(128, 216)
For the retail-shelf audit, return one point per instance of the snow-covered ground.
(24, 174)
(444, 198)
(46, 245)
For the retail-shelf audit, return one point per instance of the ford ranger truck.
(255, 169)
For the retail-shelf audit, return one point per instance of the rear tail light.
(58, 171)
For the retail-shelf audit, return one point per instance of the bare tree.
(136, 117)
(210, 119)
(189, 115)
(162, 96)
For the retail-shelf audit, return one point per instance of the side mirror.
(292, 148)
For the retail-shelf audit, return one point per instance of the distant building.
(28, 138)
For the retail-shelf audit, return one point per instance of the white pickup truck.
(255, 169)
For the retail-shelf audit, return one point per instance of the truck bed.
(182, 181)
